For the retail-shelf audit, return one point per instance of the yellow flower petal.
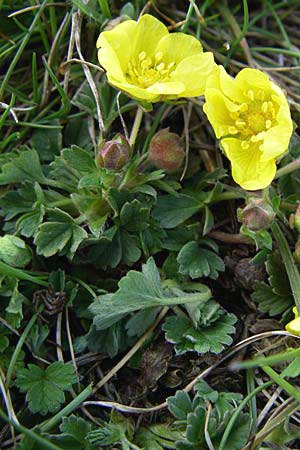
(252, 79)
(218, 108)
(167, 89)
(275, 141)
(134, 91)
(142, 59)
(294, 326)
(149, 31)
(177, 46)
(194, 72)
(227, 85)
(255, 111)
(247, 168)
(116, 45)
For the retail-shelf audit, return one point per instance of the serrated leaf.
(60, 234)
(271, 303)
(13, 251)
(157, 437)
(138, 291)
(45, 388)
(25, 167)
(47, 141)
(79, 159)
(212, 338)
(180, 405)
(198, 262)
(171, 211)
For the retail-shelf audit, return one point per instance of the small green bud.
(258, 214)
(114, 154)
(166, 151)
(13, 251)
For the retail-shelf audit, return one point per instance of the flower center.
(254, 118)
(145, 71)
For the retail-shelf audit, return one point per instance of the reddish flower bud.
(166, 151)
(258, 214)
(114, 154)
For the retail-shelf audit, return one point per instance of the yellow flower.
(144, 60)
(251, 116)
(294, 325)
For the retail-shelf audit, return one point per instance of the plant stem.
(294, 165)
(31, 434)
(289, 263)
(237, 412)
(9, 271)
(136, 126)
(285, 385)
(67, 410)
(18, 349)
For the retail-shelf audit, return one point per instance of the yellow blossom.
(294, 325)
(144, 60)
(251, 116)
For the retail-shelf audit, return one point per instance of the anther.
(142, 56)
(250, 94)
(264, 107)
(268, 124)
(232, 130)
(245, 145)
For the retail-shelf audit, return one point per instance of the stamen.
(250, 94)
(160, 67)
(268, 124)
(158, 56)
(232, 130)
(264, 107)
(245, 145)
(142, 56)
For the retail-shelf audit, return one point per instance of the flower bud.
(114, 154)
(258, 214)
(166, 151)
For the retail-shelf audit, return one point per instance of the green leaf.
(28, 223)
(95, 209)
(79, 160)
(198, 262)
(14, 309)
(13, 251)
(134, 216)
(271, 303)
(210, 338)
(73, 433)
(138, 291)
(47, 141)
(157, 437)
(25, 167)
(180, 405)
(171, 211)
(45, 388)
(276, 297)
(59, 234)
(114, 246)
